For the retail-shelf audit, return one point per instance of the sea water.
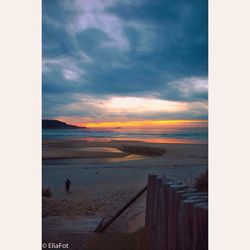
(164, 135)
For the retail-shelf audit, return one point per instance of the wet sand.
(105, 175)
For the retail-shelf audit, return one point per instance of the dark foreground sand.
(105, 175)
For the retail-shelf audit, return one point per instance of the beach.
(106, 174)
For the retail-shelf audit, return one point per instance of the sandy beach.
(106, 174)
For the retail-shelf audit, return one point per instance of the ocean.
(193, 135)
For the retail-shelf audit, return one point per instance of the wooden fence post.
(200, 226)
(149, 204)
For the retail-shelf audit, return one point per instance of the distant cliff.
(55, 124)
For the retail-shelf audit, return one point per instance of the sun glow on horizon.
(143, 124)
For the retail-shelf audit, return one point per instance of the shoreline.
(69, 149)
(102, 184)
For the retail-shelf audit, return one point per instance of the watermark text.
(54, 245)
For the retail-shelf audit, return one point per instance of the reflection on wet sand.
(99, 149)
(118, 158)
(132, 157)
(116, 151)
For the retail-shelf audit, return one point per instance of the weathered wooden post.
(200, 226)
(149, 208)
(173, 216)
(163, 227)
(181, 216)
(187, 213)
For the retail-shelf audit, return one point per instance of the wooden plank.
(200, 226)
(79, 224)
(165, 218)
(175, 215)
(187, 222)
(163, 212)
(149, 204)
(154, 213)
(158, 234)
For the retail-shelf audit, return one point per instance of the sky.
(120, 61)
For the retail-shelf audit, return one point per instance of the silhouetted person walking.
(67, 185)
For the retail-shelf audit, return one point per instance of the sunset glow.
(147, 123)
(136, 124)
(139, 104)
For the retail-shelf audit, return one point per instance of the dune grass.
(201, 182)
(46, 192)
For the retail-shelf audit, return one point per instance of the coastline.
(102, 182)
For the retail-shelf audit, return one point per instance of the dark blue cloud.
(125, 48)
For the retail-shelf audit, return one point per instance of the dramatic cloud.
(99, 55)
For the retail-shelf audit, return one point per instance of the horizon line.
(139, 123)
